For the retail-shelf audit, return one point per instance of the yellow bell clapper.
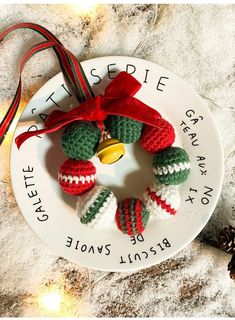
(110, 150)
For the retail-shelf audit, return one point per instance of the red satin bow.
(117, 100)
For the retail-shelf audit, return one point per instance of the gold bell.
(110, 150)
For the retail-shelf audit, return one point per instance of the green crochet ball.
(171, 166)
(124, 129)
(80, 140)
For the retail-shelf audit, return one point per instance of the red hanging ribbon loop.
(71, 68)
(117, 100)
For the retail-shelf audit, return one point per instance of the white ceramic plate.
(51, 213)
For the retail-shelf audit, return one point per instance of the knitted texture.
(77, 176)
(97, 207)
(171, 165)
(162, 201)
(124, 129)
(131, 216)
(154, 139)
(80, 140)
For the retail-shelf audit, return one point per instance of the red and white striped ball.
(77, 176)
(162, 201)
(154, 139)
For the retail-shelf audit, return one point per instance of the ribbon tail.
(88, 111)
(20, 139)
(53, 116)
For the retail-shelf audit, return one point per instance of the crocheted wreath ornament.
(162, 201)
(127, 120)
(97, 207)
(132, 216)
(77, 176)
(171, 165)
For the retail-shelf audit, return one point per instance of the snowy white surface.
(197, 43)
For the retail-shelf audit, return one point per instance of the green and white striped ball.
(171, 166)
(97, 207)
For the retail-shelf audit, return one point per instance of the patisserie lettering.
(112, 71)
(50, 99)
(161, 83)
(145, 254)
(53, 100)
(66, 89)
(32, 193)
(87, 248)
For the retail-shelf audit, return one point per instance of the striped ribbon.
(72, 70)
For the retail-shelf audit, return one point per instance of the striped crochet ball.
(154, 139)
(131, 216)
(124, 129)
(97, 207)
(80, 140)
(162, 201)
(77, 176)
(171, 166)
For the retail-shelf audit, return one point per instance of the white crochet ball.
(97, 207)
(162, 201)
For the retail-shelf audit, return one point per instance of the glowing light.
(51, 301)
(84, 7)
(4, 108)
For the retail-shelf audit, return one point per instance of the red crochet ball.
(154, 139)
(77, 176)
